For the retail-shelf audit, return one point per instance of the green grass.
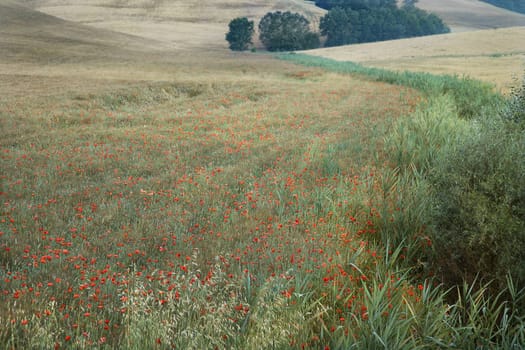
(458, 182)
(471, 96)
(282, 209)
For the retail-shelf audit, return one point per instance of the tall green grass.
(471, 97)
(458, 178)
(178, 216)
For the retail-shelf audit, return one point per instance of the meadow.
(209, 200)
(216, 214)
(193, 214)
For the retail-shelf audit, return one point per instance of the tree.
(338, 27)
(286, 31)
(355, 4)
(240, 34)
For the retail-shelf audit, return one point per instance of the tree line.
(346, 22)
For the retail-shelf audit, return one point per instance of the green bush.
(240, 34)
(457, 176)
(479, 205)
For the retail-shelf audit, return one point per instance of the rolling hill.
(466, 15)
(486, 43)
(495, 55)
(202, 24)
(155, 33)
(181, 24)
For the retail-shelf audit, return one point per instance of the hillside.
(28, 35)
(181, 24)
(42, 54)
(493, 55)
(465, 15)
(486, 43)
(202, 24)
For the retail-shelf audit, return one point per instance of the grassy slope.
(162, 161)
(486, 43)
(466, 15)
(495, 56)
(183, 24)
(44, 55)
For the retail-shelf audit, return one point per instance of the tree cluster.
(350, 25)
(347, 22)
(278, 31)
(355, 4)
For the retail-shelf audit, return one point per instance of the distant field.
(466, 15)
(185, 26)
(202, 24)
(181, 24)
(496, 56)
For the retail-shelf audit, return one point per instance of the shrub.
(479, 205)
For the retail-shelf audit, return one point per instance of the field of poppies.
(263, 213)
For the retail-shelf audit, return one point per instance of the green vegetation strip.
(470, 96)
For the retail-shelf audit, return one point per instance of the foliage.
(479, 214)
(344, 26)
(339, 26)
(355, 4)
(240, 34)
(513, 5)
(468, 177)
(286, 31)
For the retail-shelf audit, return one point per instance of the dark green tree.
(340, 27)
(355, 4)
(286, 31)
(343, 26)
(240, 34)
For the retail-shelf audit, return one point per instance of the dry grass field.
(466, 15)
(487, 42)
(180, 24)
(493, 55)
